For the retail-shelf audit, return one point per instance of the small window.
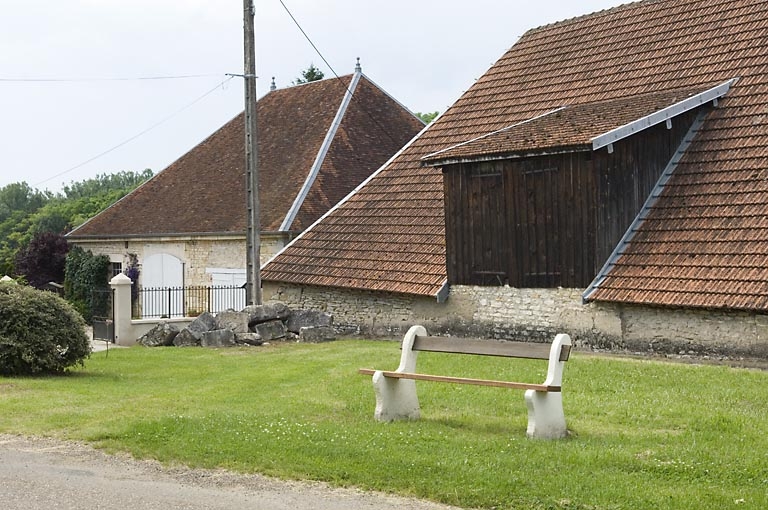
(117, 268)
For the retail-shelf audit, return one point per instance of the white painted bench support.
(396, 398)
(395, 391)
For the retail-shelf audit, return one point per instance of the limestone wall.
(537, 314)
(198, 253)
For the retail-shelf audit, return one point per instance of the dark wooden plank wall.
(552, 220)
(626, 178)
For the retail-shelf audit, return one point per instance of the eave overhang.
(569, 130)
(663, 115)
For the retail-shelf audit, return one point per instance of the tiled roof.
(704, 241)
(203, 192)
(564, 128)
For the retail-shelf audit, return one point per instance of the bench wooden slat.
(453, 345)
(462, 380)
(481, 347)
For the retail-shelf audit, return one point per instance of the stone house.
(605, 177)
(316, 143)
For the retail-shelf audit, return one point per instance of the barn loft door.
(489, 251)
(536, 232)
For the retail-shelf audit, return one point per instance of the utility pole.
(253, 228)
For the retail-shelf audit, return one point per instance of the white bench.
(395, 390)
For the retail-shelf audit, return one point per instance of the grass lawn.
(646, 434)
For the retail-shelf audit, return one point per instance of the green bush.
(40, 333)
(86, 281)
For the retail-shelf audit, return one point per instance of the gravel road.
(43, 474)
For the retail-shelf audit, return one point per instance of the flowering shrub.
(39, 332)
(132, 272)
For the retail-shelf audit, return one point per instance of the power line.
(307, 38)
(124, 142)
(373, 119)
(90, 80)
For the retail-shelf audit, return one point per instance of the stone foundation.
(537, 315)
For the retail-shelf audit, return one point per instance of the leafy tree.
(105, 183)
(311, 73)
(40, 333)
(18, 196)
(428, 117)
(25, 212)
(43, 259)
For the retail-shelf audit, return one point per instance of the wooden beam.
(482, 347)
(463, 380)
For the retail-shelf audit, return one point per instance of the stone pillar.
(124, 334)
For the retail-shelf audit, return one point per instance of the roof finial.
(358, 69)
(272, 85)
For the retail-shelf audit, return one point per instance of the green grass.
(645, 434)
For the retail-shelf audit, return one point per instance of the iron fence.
(169, 302)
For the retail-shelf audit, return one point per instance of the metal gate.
(104, 323)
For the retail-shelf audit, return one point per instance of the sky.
(89, 87)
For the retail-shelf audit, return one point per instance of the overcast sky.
(73, 73)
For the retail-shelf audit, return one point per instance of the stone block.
(258, 314)
(270, 330)
(162, 334)
(237, 322)
(218, 338)
(308, 319)
(317, 334)
(192, 334)
(186, 338)
(248, 338)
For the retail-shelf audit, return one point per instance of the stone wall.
(198, 253)
(536, 315)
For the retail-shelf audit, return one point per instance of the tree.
(104, 183)
(311, 73)
(426, 118)
(18, 196)
(25, 212)
(43, 259)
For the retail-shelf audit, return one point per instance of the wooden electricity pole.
(253, 229)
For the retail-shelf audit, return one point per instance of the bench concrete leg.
(546, 419)
(395, 398)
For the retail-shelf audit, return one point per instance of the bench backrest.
(488, 347)
(417, 339)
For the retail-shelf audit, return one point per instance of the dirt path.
(40, 474)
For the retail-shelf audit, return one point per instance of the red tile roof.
(563, 129)
(203, 192)
(704, 241)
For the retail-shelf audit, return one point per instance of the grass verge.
(645, 434)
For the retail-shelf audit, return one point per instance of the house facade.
(604, 178)
(316, 143)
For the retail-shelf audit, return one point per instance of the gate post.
(121, 285)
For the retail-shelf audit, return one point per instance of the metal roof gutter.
(502, 156)
(318, 163)
(662, 115)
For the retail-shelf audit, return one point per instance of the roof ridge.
(322, 152)
(314, 82)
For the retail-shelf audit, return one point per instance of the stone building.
(316, 143)
(606, 178)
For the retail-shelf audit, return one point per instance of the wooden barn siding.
(554, 220)
(626, 178)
